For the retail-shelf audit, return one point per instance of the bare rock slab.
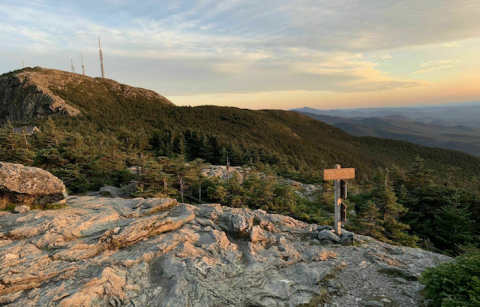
(102, 251)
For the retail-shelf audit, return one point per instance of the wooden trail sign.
(339, 174)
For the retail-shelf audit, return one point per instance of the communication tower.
(83, 67)
(101, 58)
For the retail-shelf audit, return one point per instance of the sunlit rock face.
(27, 95)
(156, 252)
(29, 185)
(39, 92)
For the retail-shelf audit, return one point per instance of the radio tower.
(73, 68)
(83, 67)
(101, 58)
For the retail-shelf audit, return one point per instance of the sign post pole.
(339, 174)
(338, 203)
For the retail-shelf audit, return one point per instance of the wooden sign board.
(341, 173)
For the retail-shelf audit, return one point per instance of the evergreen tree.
(391, 210)
(453, 226)
(418, 176)
(50, 134)
(371, 222)
(12, 147)
(206, 149)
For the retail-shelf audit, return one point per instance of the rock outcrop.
(309, 191)
(156, 252)
(25, 96)
(29, 185)
(32, 93)
(220, 171)
(110, 191)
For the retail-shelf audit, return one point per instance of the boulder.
(347, 238)
(320, 228)
(29, 185)
(327, 235)
(111, 191)
(21, 209)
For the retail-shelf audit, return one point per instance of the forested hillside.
(276, 137)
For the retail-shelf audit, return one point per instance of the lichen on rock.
(29, 185)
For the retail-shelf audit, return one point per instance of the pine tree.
(9, 140)
(12, 147)
(50, 134)
(205, 148)
(418, 176)
(371, 222)
(180, 146)
(391, 210)
(453, 226)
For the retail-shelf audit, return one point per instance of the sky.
(259, 54)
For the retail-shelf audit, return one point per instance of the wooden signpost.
(339, 175)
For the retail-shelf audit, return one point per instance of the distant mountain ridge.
(467, 114)
(399, 127)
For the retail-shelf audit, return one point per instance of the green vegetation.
(455, 284)
(408, 206)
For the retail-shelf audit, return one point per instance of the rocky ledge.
(156, 252)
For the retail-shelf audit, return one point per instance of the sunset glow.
(251, 54)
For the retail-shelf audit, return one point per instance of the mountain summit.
(36, 92)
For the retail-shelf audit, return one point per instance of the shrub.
(455, 284)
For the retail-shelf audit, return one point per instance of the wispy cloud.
(210, 46)
(432, 69)
(384, 57)
(450, 45)
(443, 62)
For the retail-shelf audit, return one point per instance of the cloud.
(386, 57)
(432, 69)
(450, 45)
(437, 65)
(433, 63)
(209, 46)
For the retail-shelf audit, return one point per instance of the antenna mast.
(73, 68)
(83, 67)
(101, 58)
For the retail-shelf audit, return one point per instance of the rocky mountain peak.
(38, 92)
